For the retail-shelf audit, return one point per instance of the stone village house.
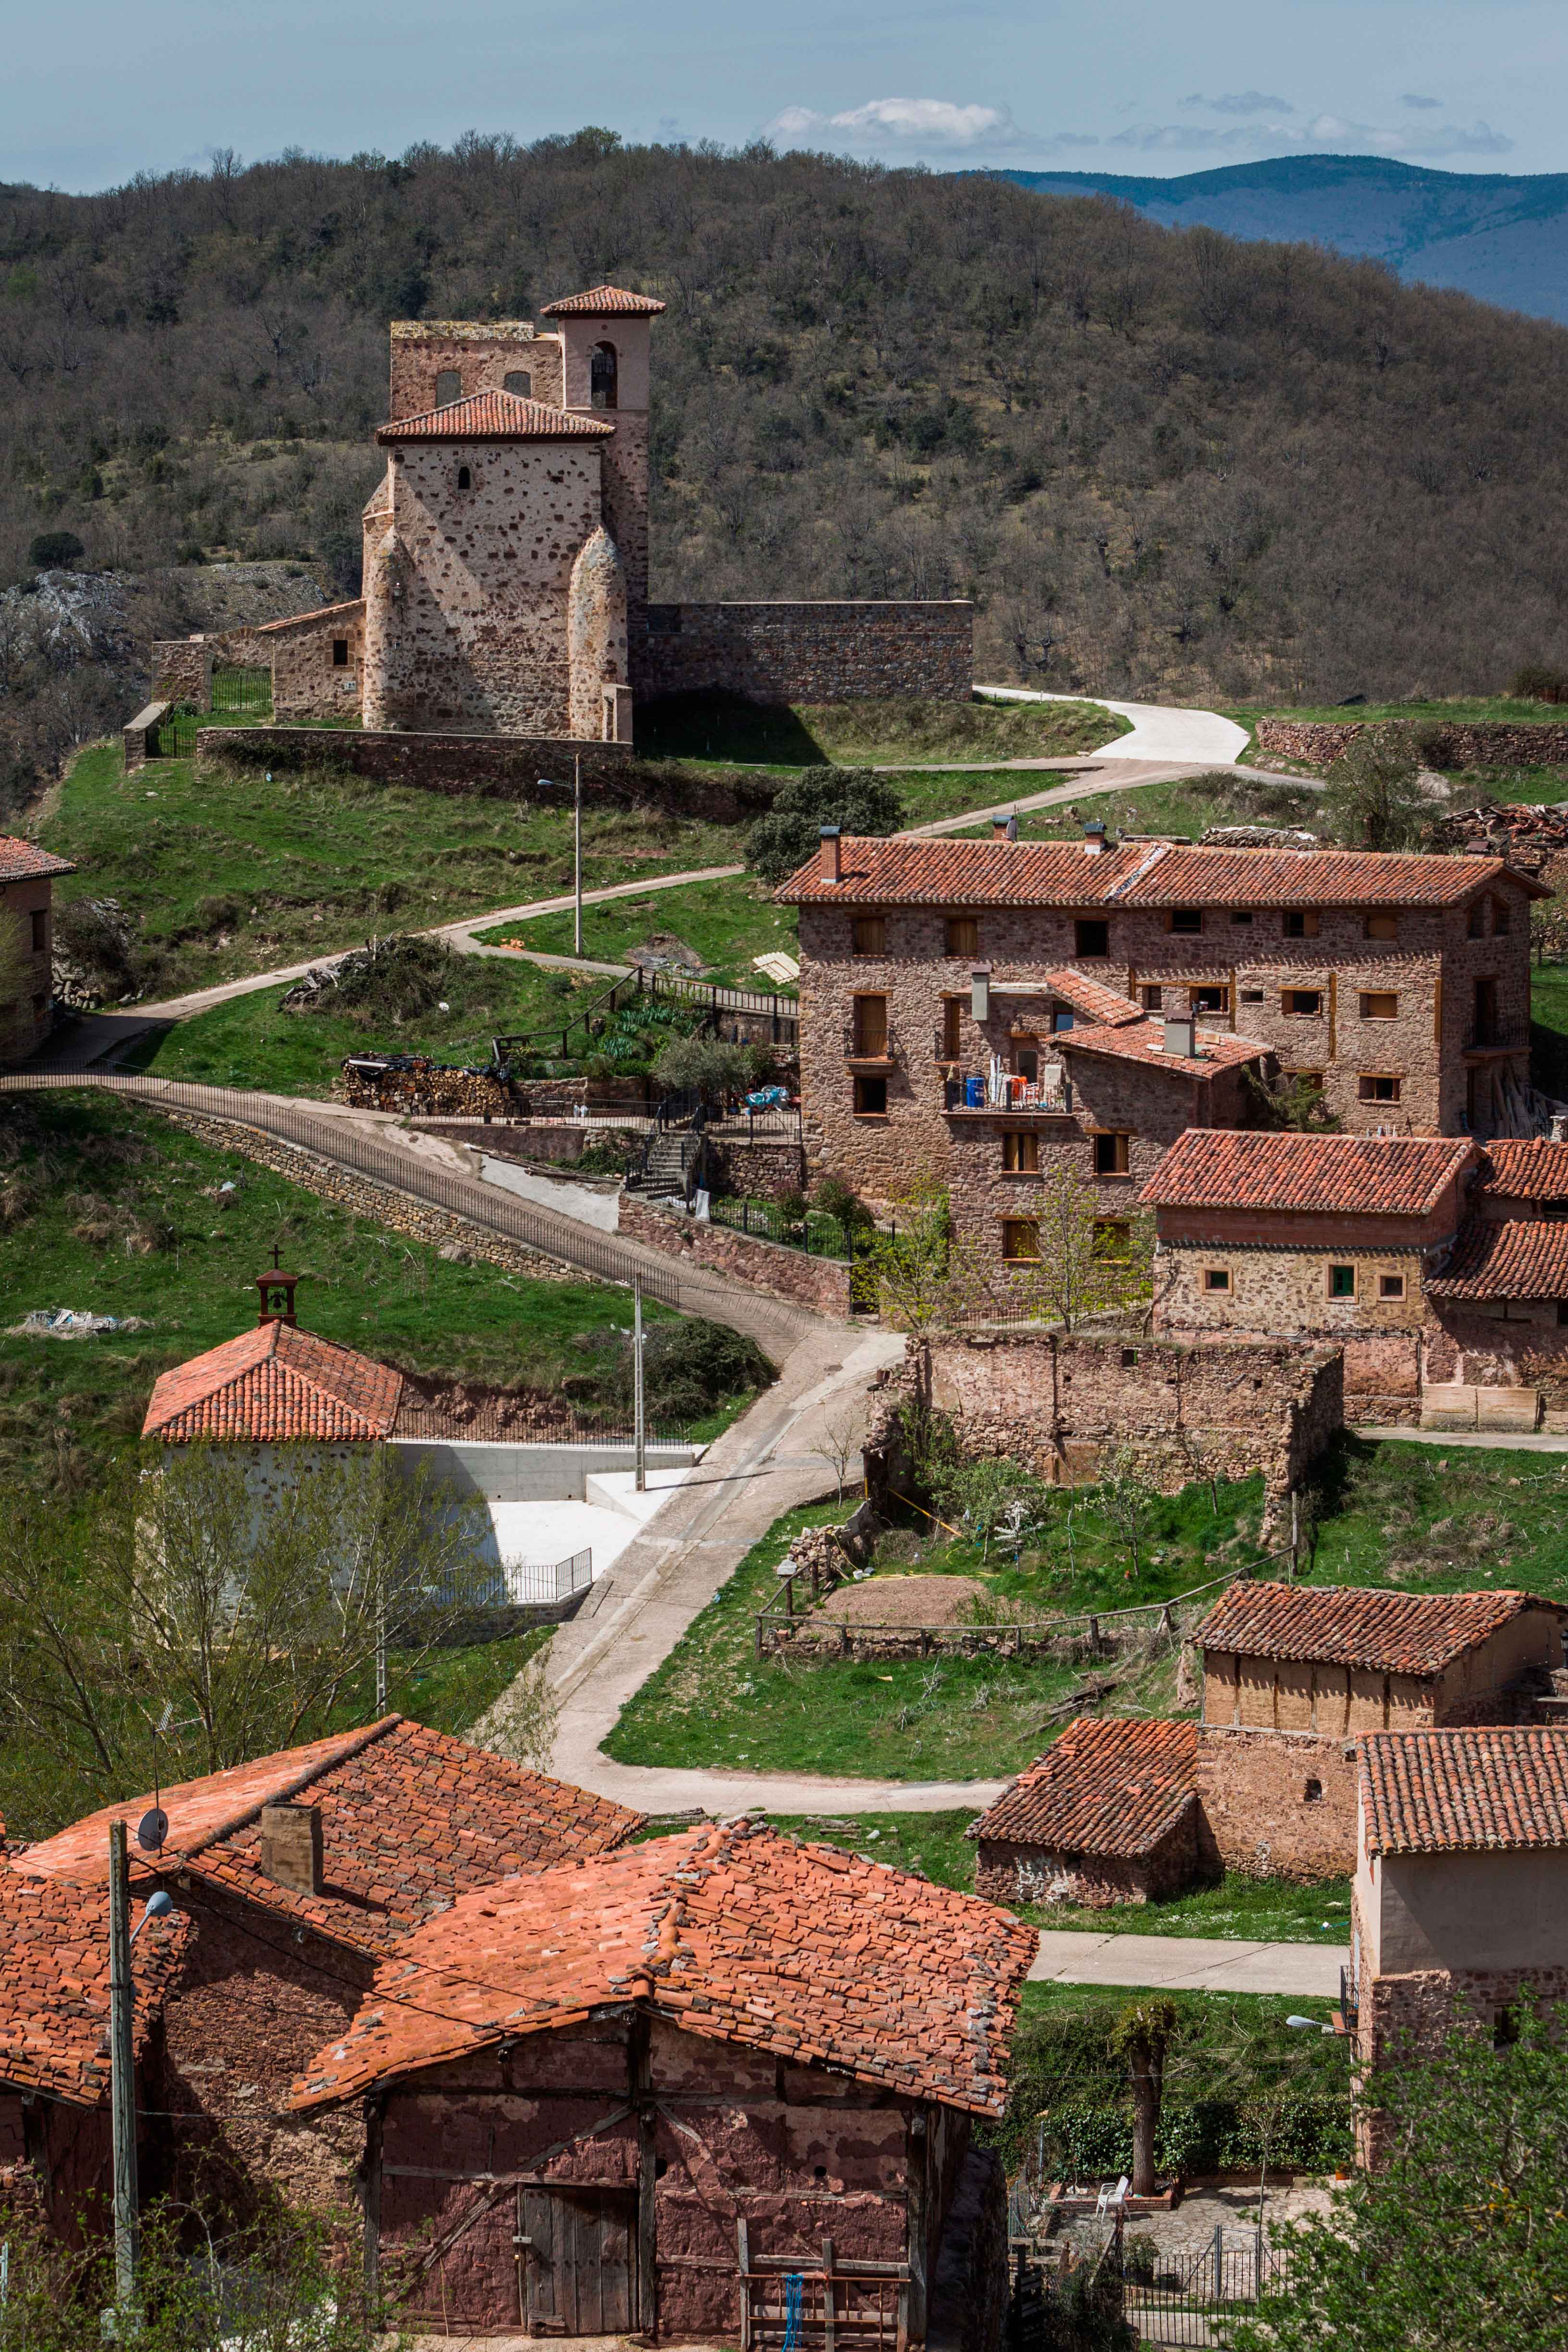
(506, 562)
(628, 2094)
(1294, 1677)
(27, 876)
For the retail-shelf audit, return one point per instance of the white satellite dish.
(153, 1831)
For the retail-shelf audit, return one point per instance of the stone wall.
(494, 767)
(563, 1142)
(139, 738)
(819, 1283)
(1009, 1873)
(1258, 1817)
(308, 680)
(838, 652)
(1445, 742)
(481, 353)
(26, 1020)
(754, 1171)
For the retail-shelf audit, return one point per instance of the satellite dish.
(153, 1831)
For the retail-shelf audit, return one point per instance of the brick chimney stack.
(291, 1846)
(1094, 838)
(831, 868)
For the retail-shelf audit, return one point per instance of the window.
(40, 930)
(870, 1027)
(1342, 1282)
(465, 479)
(602, 377)
(871, 1098)
(1216, 1277)
(1379, 1006)
(1092, 937)
(1312, 1794)
(1113, 1239)
(870, 935)
(1500, 917)
(1110, 1155)
(963, 936)
(1381, 926)
(339, 653)
(448, 387)
(951, 1038)
(1252, 996)
(1021, 1155)
(1301, 923)
(1378, 1089)
(520, 381)
(1212, 997)
(1302, 1003)
(1062, 1019)
(1475, 929)
(1151, 998)
(1313, 1078)
(1020, 1240)
(1186, 918)
(1391, 1285)
(1128, 1357)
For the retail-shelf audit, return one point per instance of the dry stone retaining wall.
(818, 1282)
(840, 652)
(1446, 743)
(494, 767)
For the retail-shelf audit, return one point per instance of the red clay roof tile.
(495, 416)
(1392, 1176)
(1492, 1790)
(54, 1981)
(410, 1819)
(1537, 1170)
(23, 861)
(1347, 1625)
(603, 303)
(1107, 1788)
(1526, 1258)
(1102, 1004)
(271, 1386)
(1143, 1041)
(732, 1932)
(951, 872)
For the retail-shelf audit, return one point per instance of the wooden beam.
(917, 2141)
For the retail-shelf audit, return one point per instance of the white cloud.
(1324, 134)
(1241, 102)
(1412, 98)
(900, 123)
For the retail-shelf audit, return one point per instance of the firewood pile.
(1529, 837)
(412, 1082)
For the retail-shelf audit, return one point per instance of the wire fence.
(534, 1583)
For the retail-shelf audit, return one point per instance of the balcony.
(1497, 1037)
(870, 1045)
(981, 1095)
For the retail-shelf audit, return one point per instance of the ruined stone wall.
(182, 671)
(466, 596)
(24, 1021)
(820, 1282)
(1498, 1343)
(1446, 743)
(1011, 1874)
(481, 353)
(1259, 1818)
(494, 767)
(307, 682)
(808, 653)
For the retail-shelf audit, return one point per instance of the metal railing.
(816, 1234)
(525, 1583)
(860, 1046)
(990, 1090)
(783, 1013)
(344, 1145)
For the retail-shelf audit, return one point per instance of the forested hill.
(1160, 461)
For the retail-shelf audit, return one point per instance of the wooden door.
(871, 1026)
(578, 2259)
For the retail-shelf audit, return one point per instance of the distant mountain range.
(1501, 236)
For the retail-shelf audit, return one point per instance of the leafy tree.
(997, 1497)
(1372, 800)
(1291, 1104)
(916, 1265)
(1128, 1499)
(709, 1066)
(1459, 2241)
(857, 800)
(56, 551)
(1142, 2035)
(1086, 1264)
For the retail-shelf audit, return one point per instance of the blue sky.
(93, 91)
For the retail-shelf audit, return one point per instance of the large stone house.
(628, 2095)
(27, 876)
(506, 562)
(977, 1010)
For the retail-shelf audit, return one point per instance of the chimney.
(1560, 1126)
(980, 993)
(831, 868)
(1093, 838)
(291, 1846)
(1181, 1037)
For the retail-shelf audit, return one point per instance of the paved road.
(1159, 731)
(1517, 1441)
(1189, 1963)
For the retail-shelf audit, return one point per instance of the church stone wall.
(809, 652)
(481, 352)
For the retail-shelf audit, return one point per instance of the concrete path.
(1159, 731)
(1189, 1963)
(1501, 1441)
(1093, 783)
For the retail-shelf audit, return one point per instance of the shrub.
(831, 1197)
(704, 1066)
(856, 799)
(1538, 683)
(56, 551)
(395, 981)
(1372, 799)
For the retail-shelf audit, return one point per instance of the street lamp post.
(123, 2074)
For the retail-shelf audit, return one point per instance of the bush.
(56, 551)
(831, 1197)
(704, 1066)
(1298, 2131)
(857, 800)
(395, 981)
(1372, 800)
(1536, 683)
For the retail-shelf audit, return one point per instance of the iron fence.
(246, 689)
(816, 1234)
(1184, 2303)
(176, 733)
(782, 1013)
(535, 1583)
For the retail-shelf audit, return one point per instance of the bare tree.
(837, 1444)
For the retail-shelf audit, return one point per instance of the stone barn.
(630, 2094)
(1107, 1815)
(28, 878)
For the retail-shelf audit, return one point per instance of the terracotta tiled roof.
(1144, 1041)
(1347, 1625)
(1107, 1788)
(731, 1932)
(304, 619)
(956, 873)
(54, 1981)
(23, 861)
(1525, 1257)
(1492, 1790)
(410, 1819)
(1354, 1175)
(495, 416)
(1091, 997)
(271, 1385)
(603, 303)
(1526, 1172)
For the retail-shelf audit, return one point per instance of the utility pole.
(577, 851)
(639, 1435)
(122, 2085)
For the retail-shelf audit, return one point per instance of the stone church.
(506, 562)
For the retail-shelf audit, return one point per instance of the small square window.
(1391, 1285)
(1252, 996)
(871, 1098)
(448, 387)
(1021, 1154)
(1379, 1005)
(1216, 1277)
(519, 382)
(1381, 926)
(963, 936)
(1113, 1238)
(1301, 923)
(1092, 937)
(870, 935)
(339, 653)
(1313, 1078)
(1110, 1155)
(1020, 1240)
(1302, 1003)
(1151, 998)
(1375, 1089)
(1312, 1794)
(1241, 914)
(1062, 1019)
(1212, 997)
(1342, 1282)
(1499, 919)
(1186, 920)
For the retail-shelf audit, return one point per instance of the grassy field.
(450, 1689)
(1175, 808)
(1549, 1028)
(726, 923)
(861, 734)
(226, 876)
(105, 1206)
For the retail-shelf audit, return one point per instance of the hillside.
(1500, 235)
(1164, 463)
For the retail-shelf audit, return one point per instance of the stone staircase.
(669, 1165)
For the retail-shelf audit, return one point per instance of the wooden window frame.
(1381, 916)
(1391, 1286)
(1367, 1080)
(1081, 923)
(1121, 1228)
(1020, 1151)
(1366, 997)
(1499, 919)
(1242, 914)
(1475, 920)
(1221, 1011)
(961, 923)
(1184, 922)
(1299, 923)
(1014, 1256)
(1152, 996)
(859, 923)
(1290, 1011)
(1313, 1078)
(1217, 1282)
(1338, 1296)
(860, 1051)
(1119, 1136)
